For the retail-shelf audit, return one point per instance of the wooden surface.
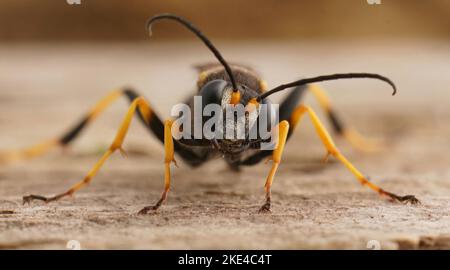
(44, 89)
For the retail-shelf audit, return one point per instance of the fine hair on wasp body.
(232, 126)
(230, 115)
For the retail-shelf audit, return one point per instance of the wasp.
(225, 85)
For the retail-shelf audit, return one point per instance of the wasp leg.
(276, 159)
(144, 110)
(333, 150)
(42, 148)
(349, 133)
(155, 127)
(169, 158)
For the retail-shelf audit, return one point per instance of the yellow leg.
(283, 129)
(44, 147)
(350, 134)
(28, 153)
(138, 103)
(333, 150)
(169, 157)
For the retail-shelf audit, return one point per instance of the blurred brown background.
(102, 20)
(57, 60)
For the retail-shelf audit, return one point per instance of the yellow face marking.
(254, 101)
(235, 97)
(252, 105)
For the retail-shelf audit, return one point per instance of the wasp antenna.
(200, 35)
(329, 78)
(148, 28)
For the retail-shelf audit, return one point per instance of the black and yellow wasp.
(221, 84)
